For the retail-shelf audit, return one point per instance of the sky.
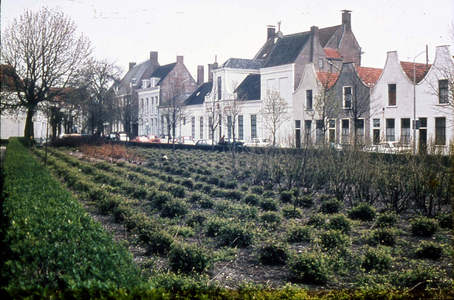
(205, 30)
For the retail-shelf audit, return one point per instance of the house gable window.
(240, 128)
(405, 131)
(347, 97)
(320, 64)
(253, 126)
(392, 101)
(390, 130)
(308, 99)
(332, 131)
(440, 131)
(359, 132)
(308, 129)
(345, 138)
(319, 134)
(443, 91)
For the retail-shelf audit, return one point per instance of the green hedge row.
(53, 242)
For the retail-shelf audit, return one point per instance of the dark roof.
(249, 89)
(419, 68)
(198, 97)
(287, 49)
(135, 75)
(325, 34)
(162, 71)
(240, 63)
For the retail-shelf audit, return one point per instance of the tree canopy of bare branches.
(274, 112)
(43, 51)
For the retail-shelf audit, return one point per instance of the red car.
(141, 139)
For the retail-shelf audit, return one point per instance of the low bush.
(195, 197)
(376, 259)
(188, 183)
(269, 194)
(236, 235)
(271, 219)
(178, 191)
(286, 196)
(231, 184)
(382, 236)
(331, 239)
(206, 202)
(387, 219)
(272, 253)
(214, 225)
(269, 204)
(424, 226)
(309, 267)
(187, 258)
(331, 206)
(257, 190)
(244, 187)
(429, 250)
(420, 276)
(291, 212)
(298, 234)
(233, 195)
(363, 212)
(182, 231)
(158, 242)
(445, 221)
(251, 199)
(339, 222)
(307, 201)
(196, 219)
(161, 198)
(317, 220)
(174, 208)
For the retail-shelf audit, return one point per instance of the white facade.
(149, 117)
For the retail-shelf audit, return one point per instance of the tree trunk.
(29, 129)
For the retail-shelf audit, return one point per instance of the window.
(141, 104)
(348, 96)
(345, 139)
(359, 132)
(320, 63)
(423, 122)
(210, 124)
(390, 130)
(152, 104)
(443, 91)
(332, 131)
(201, 127)
(219, 88)
(253, 126)
(298, 133)
(440, 131)
(309, 100)
(319, 136)
(308, 129)
(162, 125)
(147, 107)
(240, 128)
(193, 127)
(184, 120)
(392, 95)
(298, 124)
(376, 123)
(405, 131)
(229, 127)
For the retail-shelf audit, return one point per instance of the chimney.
(210, 72)
(180, 59)
(154, 57)
(131, 65)
(347, 19)
(314, 37)
(271, 33)
(200, 75)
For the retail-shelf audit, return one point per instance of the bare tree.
(274, 112)
(213, 112)
(44, 51)
(232, 109)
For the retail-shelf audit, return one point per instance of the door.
(423, 140)
(376, 136)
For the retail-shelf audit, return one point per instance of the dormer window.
(347, 97)
(443, 91)
(320, 63)
(392, 95)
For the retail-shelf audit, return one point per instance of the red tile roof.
(369, 75)
(332, 53)
(420, 70)
(327, 79)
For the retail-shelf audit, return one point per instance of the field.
(316, 219)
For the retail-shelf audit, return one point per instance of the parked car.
(258, 142)
(388, 147)
(141, 139)
(205, 143)
(188, 140)
(154, 138)
(230, 142)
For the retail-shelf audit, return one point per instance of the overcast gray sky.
(126, 31)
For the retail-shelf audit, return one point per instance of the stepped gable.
(369, 76)
(198, 97)
(327, 79)
(249, 89)
(419, 68)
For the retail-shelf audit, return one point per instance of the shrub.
(174, 208)
(269, 204)
(388, 219)
(334, 239)
(214, 180)
(251, 199)
(272, 253)
(419, 275)
(286, 196)
(206, 202)
(363, 212)
(161, 198)
(195, 197)
(178, 191)
(376, 259)
(445, 221)
(158, 242)
(188, 183)
(290, 212)
(231, 184)
(207, 189)
(298, 234)
(199, 186)
(257, 190)
(196, 219)
(307, 201)
(339, 222)
(233, 194)
(424, 226)
(269, 194)
(317, 220)
(430, 250)
(271, 219)
(331, 206)
(188, 258)
(214, 225)
(382, 236)
(183, 231)
(309, 267)
(236, 234)
(244, 187)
